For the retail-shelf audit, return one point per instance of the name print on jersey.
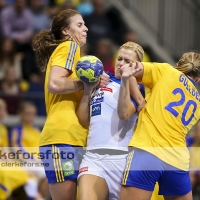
(97, 98)
(189, 105)
(192, 91)
(106, 89)
(96, 109)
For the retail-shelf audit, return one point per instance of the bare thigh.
(133, 193)
(188, 196)
(63, 191)
(92, 187)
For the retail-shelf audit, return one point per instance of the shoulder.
(155, 64)
(68, 44)
(3, 128)
(66, 47)
(157, 67)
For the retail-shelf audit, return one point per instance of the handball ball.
(89, 69)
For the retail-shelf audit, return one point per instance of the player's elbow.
(53, 87)
(123, 115)
(83, 120)
(126, 112)
(84, 123)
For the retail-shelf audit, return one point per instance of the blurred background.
(164, 28)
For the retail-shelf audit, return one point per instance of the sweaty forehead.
(127, 54)
(76, 19)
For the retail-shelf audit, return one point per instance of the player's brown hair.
(135, 48)
(23, 105)
(46, 41)
(189, 64)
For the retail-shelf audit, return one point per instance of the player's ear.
(64, 31)
(198, 79)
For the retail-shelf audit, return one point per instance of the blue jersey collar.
(191, 81)
(113, 78)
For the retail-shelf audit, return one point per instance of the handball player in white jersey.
(103, 164)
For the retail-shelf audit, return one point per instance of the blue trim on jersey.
(143, 170)
(3, 187)
(70, 58)
(141, 86)
(191, 80)
(142, 90)
(189, 141)
(19, 128)
(113, 78)
(76, 45)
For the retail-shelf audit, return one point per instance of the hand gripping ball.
(89, 69)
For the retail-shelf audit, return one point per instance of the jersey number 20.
(189, 103)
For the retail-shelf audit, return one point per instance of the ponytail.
(44, 44)
(189, 64)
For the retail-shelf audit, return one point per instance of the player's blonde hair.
(135, 48)
(189, 64)
(46, 41)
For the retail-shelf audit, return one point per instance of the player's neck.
(192, 78)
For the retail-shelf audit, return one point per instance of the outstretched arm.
(129, 87)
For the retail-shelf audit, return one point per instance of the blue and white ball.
(89, 69)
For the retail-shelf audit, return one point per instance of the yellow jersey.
(171, 110)
(10, 178)
(62, 125)
(3, 136)
(25, 138)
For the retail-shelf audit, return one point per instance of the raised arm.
(136, 93)
(125, 107)
(83, 108)
(129, 87)
(133, 69)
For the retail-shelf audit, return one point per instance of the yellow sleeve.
(10, 180)
(64, 55)
(3, 136)
(153, 73)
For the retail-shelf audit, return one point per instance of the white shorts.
(108, 167)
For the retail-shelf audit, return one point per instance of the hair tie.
(193, 67)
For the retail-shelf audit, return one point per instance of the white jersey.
(107, 130)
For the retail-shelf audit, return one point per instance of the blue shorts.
(143, 170)
(61, 161)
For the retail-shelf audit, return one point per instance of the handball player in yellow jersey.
(57, 52)
(160, 152)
